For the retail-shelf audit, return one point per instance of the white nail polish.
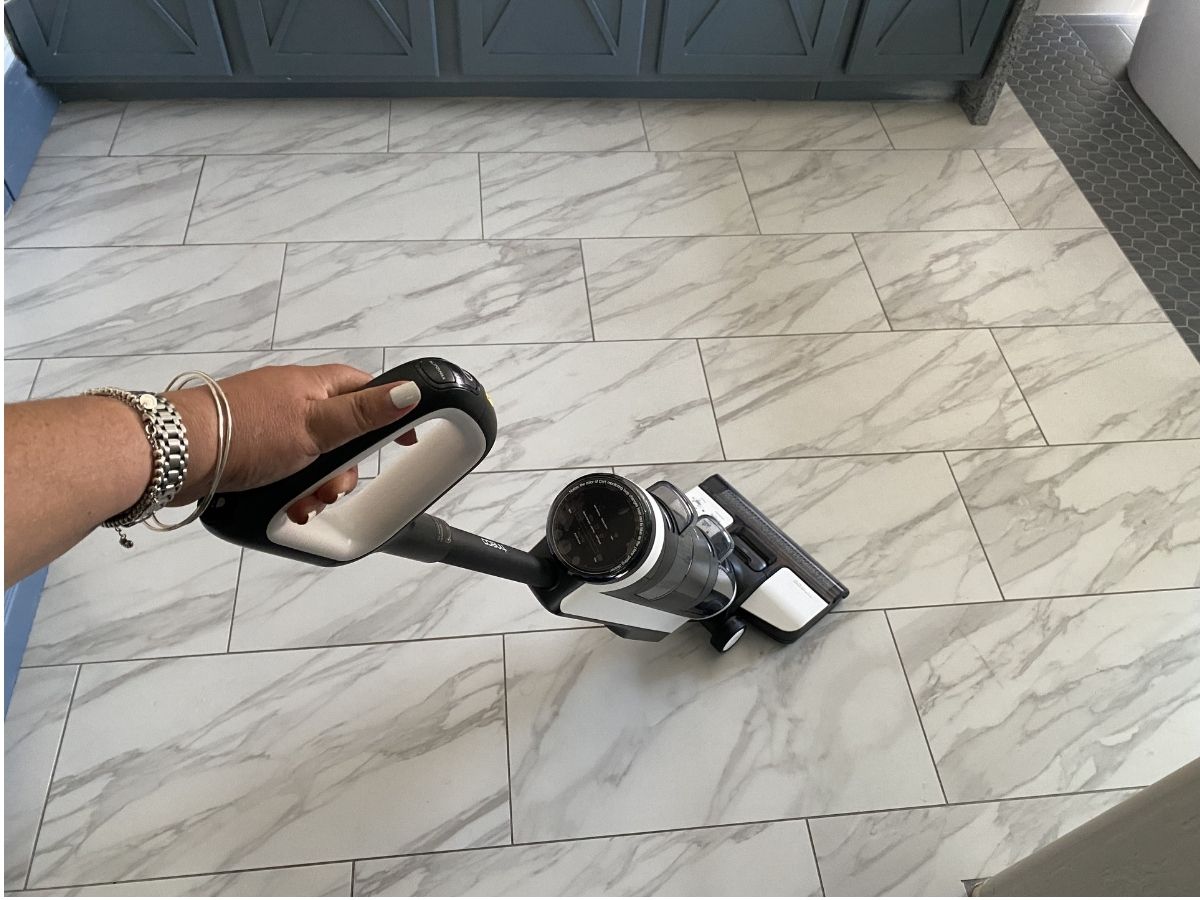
(405, 395)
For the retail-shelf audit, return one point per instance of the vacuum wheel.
(724, 634)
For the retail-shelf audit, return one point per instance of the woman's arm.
(71, 463)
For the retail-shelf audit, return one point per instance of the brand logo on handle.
(500, 547)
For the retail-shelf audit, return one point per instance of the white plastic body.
(449, 446)
(1165, 68)
(593, 602)
(785, 602)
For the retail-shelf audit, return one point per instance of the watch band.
(168, 444)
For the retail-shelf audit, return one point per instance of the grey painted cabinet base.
(304, 38)
(62, 39)
(632, 48)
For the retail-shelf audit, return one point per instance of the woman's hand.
(284, 417)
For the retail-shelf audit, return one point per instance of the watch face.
(599, 527)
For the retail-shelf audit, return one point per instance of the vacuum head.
(782, 589)
(645, 562)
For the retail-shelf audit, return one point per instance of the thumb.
(342, 418)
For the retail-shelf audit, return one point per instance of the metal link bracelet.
(169, 449)
(224, 440)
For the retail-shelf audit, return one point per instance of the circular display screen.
(599, 526)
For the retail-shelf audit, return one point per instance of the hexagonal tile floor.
(1143, 189)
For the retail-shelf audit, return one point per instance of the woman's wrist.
(199, 414)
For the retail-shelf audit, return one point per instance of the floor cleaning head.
(642, 561)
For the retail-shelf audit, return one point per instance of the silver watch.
(169, 445)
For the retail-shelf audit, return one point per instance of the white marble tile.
(283, 603)
(822, 395)
(271, 759)
(140, 299)
(614, 736)
(612, 403)
(1079, 520)
(929, 852)
(980, 278)
(63, 377)
(871, 190)
(892, 528)
(364, 294)
(525, 124)
(1096, 383)
(761, 125)
(33, 726)
(72, 201)
(172, 594)
(1053, 696)
(18, 376)
(83, 128)
(330, 880)
(225, 126)
(1038, 189)
(336, 197)
(613, 195)
(725, 286)
(937, 126)
(762, 860)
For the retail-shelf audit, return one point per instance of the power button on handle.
(437, 372)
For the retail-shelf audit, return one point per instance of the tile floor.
(910, 340)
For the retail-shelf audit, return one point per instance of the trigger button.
(437, 374)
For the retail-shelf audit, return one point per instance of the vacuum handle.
(457, 429)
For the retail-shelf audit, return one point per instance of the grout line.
(1000, 193)
(878, 297)
(962, 498)
(117, 132)
(311, 647)
(1020, 389)
(36, 374)
(40, 355)
(816, 861)
(192, 209)
(479, 184)
(512, 839)
(712, 404)
(390, 111)
(600, 837)
(745, 187)
(645, 130)
(878, 118)
(353, 865)
(587, 291)
(916, 708)
(62, 737)
(237, 588)
(562, 238)
(279, 294)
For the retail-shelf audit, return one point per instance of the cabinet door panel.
(926, 37)
(551, 37)
(751, 37)
(73, 39)
(330, 38)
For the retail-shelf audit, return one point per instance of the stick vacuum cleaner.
(641, 561)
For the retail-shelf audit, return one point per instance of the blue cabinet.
(551, 37)
(926, 38)
(751, 37)
(331, 38)
(83, 39)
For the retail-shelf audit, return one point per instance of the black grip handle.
(356, 526)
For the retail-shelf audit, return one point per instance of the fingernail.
(405, 395)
